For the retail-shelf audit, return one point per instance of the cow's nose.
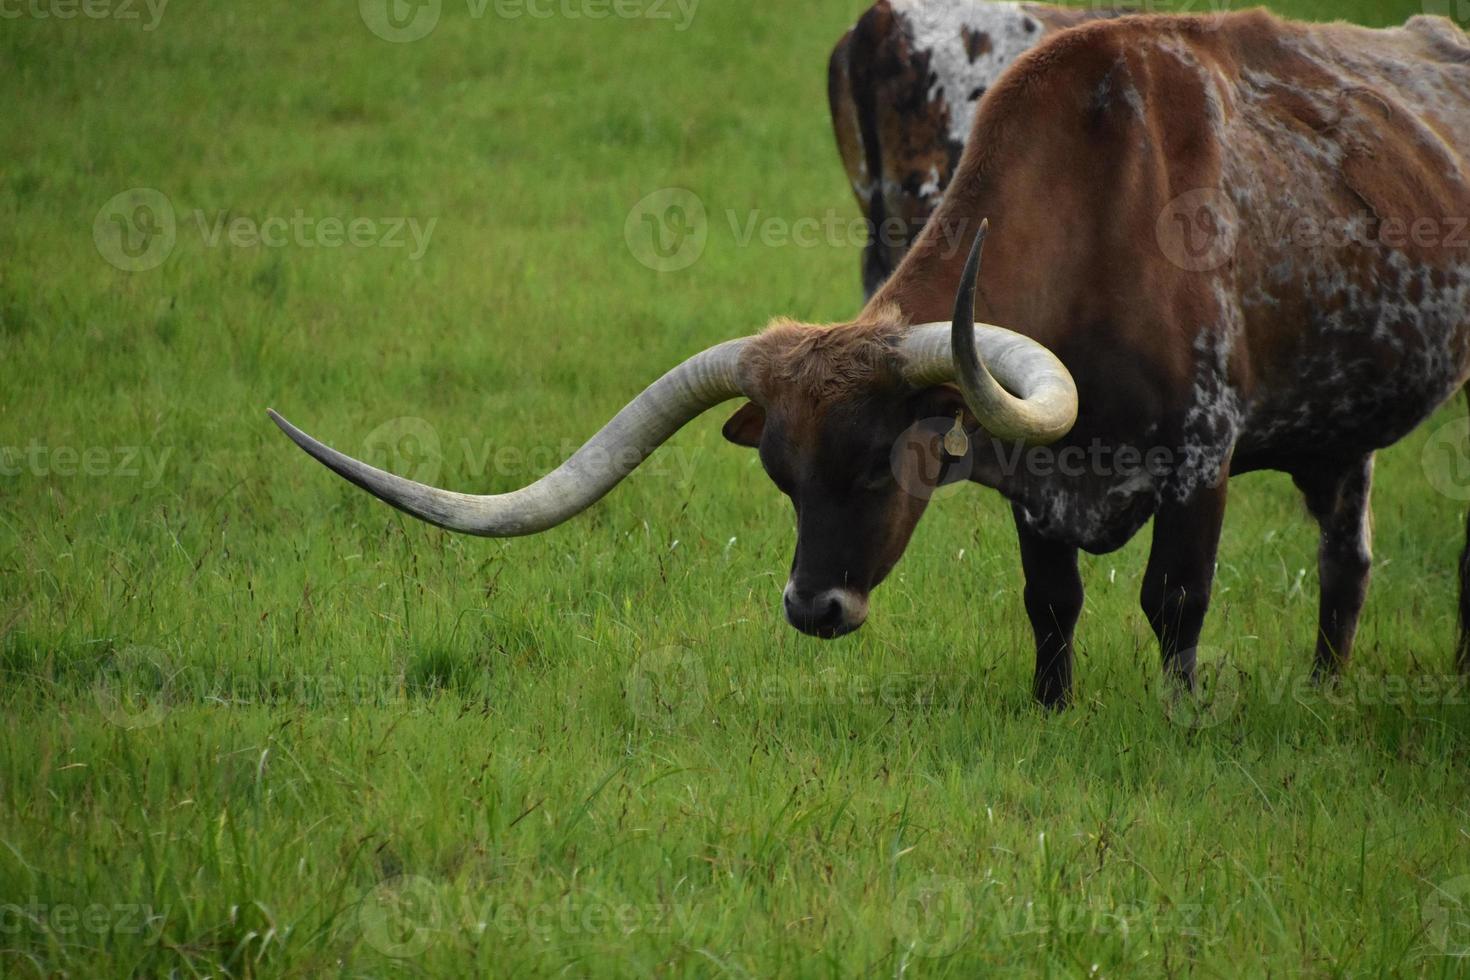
(829, 613)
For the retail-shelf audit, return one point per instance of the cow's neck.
(923, 287)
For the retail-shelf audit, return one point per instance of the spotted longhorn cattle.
(1221, 244)
(902, 87)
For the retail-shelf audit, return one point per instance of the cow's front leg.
(1181, 569)
(1053, 603)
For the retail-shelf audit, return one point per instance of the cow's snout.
(828, 613)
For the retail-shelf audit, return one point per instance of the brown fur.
(819, 365)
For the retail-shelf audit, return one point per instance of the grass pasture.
(257, 724)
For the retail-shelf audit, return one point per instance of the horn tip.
(295, 434)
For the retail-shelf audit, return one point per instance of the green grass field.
(256, 723)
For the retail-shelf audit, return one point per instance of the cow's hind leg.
(1181, 569)
(1462, 651)
(1338, 497)
(1053, 603)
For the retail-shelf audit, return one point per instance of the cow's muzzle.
(828, 613)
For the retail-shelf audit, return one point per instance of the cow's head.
(851, 423)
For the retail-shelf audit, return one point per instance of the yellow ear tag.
(956, 443)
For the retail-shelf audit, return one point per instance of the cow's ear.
(946, 401)
(746, 425)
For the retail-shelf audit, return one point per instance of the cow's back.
(1345, 161)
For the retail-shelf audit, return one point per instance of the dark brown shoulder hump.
(1086, 138)
(1097, 41)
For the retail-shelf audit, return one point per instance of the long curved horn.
(1043, 407)
(704, 380)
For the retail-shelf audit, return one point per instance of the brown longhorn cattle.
(1223, 243)
(902, 87)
